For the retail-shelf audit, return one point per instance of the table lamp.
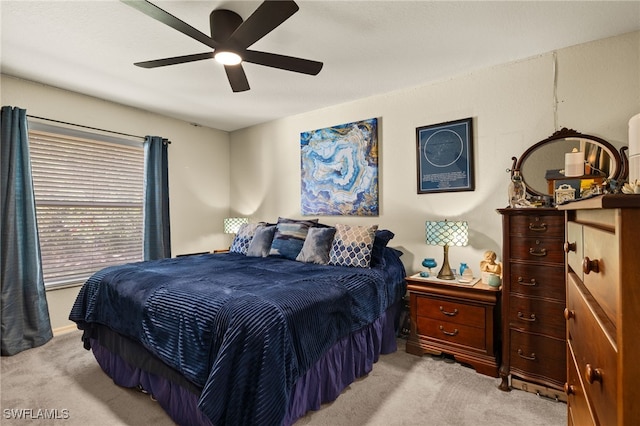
(445, 233)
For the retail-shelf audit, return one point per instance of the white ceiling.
(368, 48)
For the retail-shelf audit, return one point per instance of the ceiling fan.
(230, 39)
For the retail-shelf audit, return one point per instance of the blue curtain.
(24, 310)
(157, 237)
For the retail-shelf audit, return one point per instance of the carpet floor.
(60, 383)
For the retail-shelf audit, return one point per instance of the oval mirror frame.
(617, 165)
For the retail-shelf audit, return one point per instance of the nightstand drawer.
(454, 312)
(537, 315)
(452, 332)
(536, 280)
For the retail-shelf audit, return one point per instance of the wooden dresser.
(603, 310)
(533, 300)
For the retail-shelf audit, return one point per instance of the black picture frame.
(444, 154)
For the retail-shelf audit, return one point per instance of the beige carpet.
(61, 379)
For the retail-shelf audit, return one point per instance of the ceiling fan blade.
(288, 63)
(262, 21)
(174, 60)
(237, 78)
(158, 14)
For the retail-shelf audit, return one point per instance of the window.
(89, 202)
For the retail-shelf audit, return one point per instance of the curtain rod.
(86, 127)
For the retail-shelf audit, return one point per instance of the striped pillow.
(289, 237)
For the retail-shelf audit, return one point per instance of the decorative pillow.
(289, 237)
(242, 239)
(260, 245)
(382, 238)
(352, 246)
(317, 245)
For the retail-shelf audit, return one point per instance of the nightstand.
(458, 319)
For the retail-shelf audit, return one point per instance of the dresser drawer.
(539, 249)
(579, 412)
(594, 351)
(602, 247)
(540, 356)
(575, 255)
(540, 281)
(451, 311)
(452, 332)
(538, 225)
(536, 315)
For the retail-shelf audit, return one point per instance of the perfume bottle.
(517, 190)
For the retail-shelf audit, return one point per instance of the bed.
(231, 338)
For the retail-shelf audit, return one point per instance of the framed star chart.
(445, 157)
(339, 169)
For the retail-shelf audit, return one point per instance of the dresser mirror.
(543, 163)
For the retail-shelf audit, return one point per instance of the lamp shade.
(233, 224)
(446, 233)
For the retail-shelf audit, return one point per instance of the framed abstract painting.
(339, 170)
(445, 157)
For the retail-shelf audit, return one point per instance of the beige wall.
(198, 166)
(512, 105)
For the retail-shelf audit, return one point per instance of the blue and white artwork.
(340, 170)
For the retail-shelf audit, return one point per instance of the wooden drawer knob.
(589, 265)
(592, 374)
(569, 313)
(569, 247)
(569, 389)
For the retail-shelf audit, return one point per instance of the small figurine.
(489, 263)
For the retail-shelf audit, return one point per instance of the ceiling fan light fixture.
(227, 58)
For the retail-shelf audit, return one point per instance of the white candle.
(634, 148)
(574, 163)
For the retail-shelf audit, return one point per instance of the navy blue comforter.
(243, 329)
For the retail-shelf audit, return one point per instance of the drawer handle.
(531, 318)
(569, 313)
(539, 253)
(569, 389)
(522, 282)
(593, 374)
(449, 333)
(455, 312)
(569, 247)
(538, 228)
(589, 265)
(530, 358)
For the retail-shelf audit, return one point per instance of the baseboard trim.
(64, 330)
(540, 390)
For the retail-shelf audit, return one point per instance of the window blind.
(89, 204)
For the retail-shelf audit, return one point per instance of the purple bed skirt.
(350, 358)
